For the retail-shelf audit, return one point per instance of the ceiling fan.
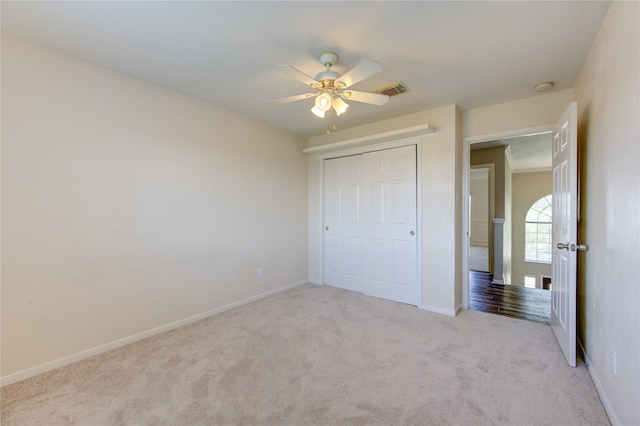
(332, 88)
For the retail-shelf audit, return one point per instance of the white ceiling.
(466, 53)
(530, 153)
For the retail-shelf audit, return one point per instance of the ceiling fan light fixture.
(340, 106)
(330, 85)
(317, 111)
(324, 101)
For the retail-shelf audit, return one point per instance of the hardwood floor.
(513, 301)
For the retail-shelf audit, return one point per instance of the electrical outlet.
(259, 273)
(613, 360)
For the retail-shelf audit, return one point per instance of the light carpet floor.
(319, 355)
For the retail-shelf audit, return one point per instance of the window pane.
(538, 231)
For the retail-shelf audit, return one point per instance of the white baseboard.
(61, 362)
(613, 418)
(435, 309)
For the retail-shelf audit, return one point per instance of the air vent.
(396, 89)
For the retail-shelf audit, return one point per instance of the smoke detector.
(544, 87)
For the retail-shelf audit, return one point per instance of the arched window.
(537, 238)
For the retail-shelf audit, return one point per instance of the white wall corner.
(441, 311)
(509, 157)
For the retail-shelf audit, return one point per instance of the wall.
(608, 92)
(440, 191)
(537, 113)
(128, 208)
(527, 189)
(479, 190)
(496, 157)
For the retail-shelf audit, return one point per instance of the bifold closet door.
(370, 218)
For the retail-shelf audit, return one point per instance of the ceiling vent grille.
(393, 90)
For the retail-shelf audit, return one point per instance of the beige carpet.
(320, 355)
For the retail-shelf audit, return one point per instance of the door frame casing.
(466, 165)
(321, 157)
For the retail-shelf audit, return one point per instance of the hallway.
(508, 300)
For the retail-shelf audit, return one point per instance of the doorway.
(522, 174)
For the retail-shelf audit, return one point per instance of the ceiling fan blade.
(365, 70)
(298, 75)
(365, 97)
(293, 98)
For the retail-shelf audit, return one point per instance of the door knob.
(562, 246)
(412, 233)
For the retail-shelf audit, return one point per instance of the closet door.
(389, 218)
(370, 216)
(343, 230)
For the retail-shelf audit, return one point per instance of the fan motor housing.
(327, 75)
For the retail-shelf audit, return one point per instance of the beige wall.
(440, 210)
(496, 157)
(527, 189)
(479, 216)
(608, 92)
(512, 118)
(126, 207)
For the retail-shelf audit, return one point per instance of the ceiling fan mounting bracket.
(328, 58)
(327, 77)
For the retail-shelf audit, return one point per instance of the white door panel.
(565, 207)
(343, 245)
(389, 198)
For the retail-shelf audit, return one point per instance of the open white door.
(565, 227)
